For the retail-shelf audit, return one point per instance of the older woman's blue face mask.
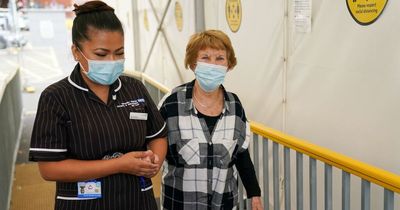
(211, 68)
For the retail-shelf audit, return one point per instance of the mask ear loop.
(83, 69)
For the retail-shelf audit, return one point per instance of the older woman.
(208, 133)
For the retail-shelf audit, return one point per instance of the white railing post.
(299, 181)
(286, 160)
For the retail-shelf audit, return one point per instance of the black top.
(210, 121)
(243, 161)
(73, 123)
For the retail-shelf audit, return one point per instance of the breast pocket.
(188, 150)
(223, 150)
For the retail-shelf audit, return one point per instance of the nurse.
(97, 134)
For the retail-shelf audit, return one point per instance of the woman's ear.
(193, 67)
(75, 52)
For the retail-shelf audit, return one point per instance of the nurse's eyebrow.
(107, 50)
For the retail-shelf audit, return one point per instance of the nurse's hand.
(137, 163)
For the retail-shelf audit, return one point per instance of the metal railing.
(349, 167)
(331, 160)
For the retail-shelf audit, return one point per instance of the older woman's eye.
(221, 58)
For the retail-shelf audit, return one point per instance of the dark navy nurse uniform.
(73, 123)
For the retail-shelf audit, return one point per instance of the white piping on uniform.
(147, 188)
(75, 85)
(47, 150)
(73, 198)
(119, 86)
(151, 136)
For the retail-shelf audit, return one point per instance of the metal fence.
(10, 131)
(317, 197)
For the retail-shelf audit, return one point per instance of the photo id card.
(90, 189)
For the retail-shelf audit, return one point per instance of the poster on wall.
(233, 14)
(366, 12)
(302, 15)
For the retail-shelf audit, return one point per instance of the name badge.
(90, 189)
(138, 116)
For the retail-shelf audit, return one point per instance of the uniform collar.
(76, 80)
(189, 101)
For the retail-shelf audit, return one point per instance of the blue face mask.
(104, 72)
(210, 76)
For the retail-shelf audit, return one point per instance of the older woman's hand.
(155, 160)
(256, 203)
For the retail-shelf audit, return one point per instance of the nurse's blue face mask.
(103, 72)
(210, 76)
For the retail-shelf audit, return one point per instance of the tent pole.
(199, 16)
(136, 36)
(159, 29)
(285, 63)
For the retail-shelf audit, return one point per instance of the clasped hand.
(140, 163)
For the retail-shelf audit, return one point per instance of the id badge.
(89, 189)
(138, 116)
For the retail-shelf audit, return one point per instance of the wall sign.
(365, 12)
(302, 15)
(178, 16)
(233, 13)
(145, 20)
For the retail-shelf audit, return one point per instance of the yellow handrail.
(148, 79)
(156, 84)
(370, 173)
(373, 174)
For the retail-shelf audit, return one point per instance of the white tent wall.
(257, 78)
(161, 64)
(342, 77)
(342, 84)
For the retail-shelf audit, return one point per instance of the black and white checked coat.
(199, 171)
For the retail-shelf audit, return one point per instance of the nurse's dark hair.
(93, 15)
